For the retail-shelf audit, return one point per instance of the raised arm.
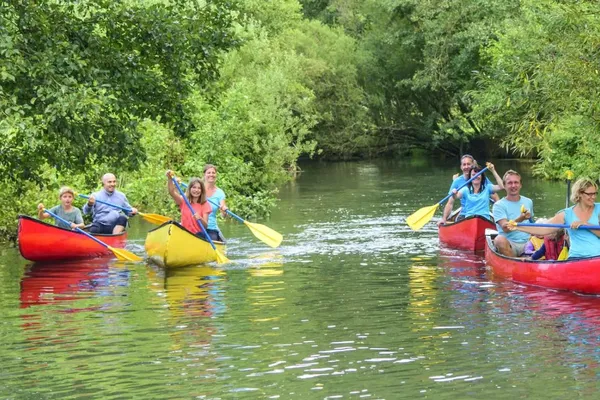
(499, 184)
(172, 189)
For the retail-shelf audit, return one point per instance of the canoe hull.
(579, 275)
(466, 234)
(42, 242)
(171, 245)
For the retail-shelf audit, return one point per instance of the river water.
(352, 305)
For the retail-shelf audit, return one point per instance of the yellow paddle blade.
(155, 218)
(265, 234)
(420, 217)
(125, 255)
(221, 259)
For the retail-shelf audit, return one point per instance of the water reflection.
(55, 282)
(266, 289)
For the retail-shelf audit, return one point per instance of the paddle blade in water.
(420, 217)
(155, 219)
(221, 259)
(124, 255)
(265, 234)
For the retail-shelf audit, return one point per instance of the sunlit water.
(352, 305)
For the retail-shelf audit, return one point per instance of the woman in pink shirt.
(196, 194)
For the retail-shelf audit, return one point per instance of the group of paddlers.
(552, 243)
(110, 208)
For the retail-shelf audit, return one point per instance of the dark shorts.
(215, 235)
(97, 227)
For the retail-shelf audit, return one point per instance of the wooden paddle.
(423, 215)
(221, 259)
(589, 227)
(152, 218)
(264, 233)
(121, 254)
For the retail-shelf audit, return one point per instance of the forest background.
(138, 86)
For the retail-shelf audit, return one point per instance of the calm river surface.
(352, 305)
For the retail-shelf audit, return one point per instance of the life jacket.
(536, 242)
(556, 249)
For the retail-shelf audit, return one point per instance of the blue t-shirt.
(476, 203)
(511, 210)
(458, 182)
(583, 242)
(215, 202)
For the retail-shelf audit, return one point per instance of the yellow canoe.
(171, 245)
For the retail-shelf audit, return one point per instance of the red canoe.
(466, 234)
(577, 275)
(39, 241)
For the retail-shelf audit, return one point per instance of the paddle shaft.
(463, 185)
(592, 227)
(128, 210)
(77, 229)
(193, 212)
(568, 193)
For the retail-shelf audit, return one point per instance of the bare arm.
(223, 207)
(41, 214)
(448, 208)
(499, 184)
(557, 219)
(172, 189)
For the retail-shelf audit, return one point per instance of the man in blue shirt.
(512, 207)
(107, 219)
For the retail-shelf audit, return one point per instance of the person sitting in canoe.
(535, 241)
(476, 194)
(555, 246)
(584, 243)
(217, 197)
(513, 207)
(108, 219)
(196, 195)
(65, 210)
(466, 163)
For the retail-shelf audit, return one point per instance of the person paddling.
(466, 163)
(107, 219)
(196, 195)
(513, 207)
(216, 198)
(476, 194)
(65, 210)
(584, 243)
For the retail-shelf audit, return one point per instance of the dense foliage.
(139, 86)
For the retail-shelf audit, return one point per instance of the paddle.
(152, 218)
(221, 259)
(121, 254)
(423, 215)
(264, 233)
(569, 175)
(589, 227)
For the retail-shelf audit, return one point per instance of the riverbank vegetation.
(139, 86)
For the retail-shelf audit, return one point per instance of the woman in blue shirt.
(584, 243)
(477, 193)
(216, 198)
